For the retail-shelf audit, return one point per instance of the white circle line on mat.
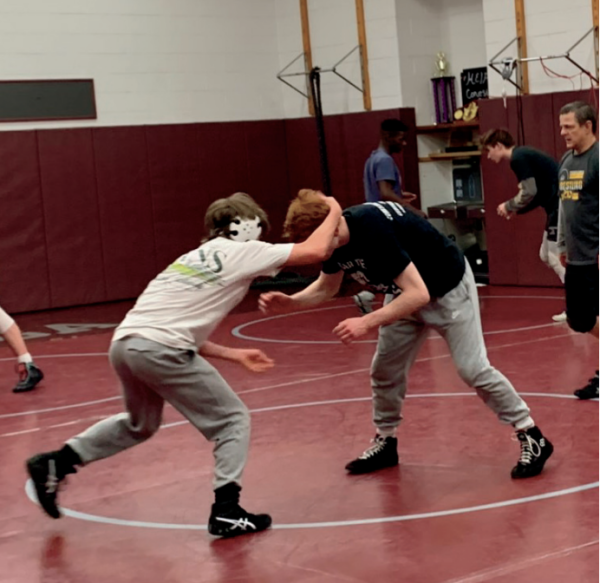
(30, 492)
(237, 331)
(328, 524)
(278, 385)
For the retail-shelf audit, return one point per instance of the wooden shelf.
(457, 210)
(447, 127)
(437, 157)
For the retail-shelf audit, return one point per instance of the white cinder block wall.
(419, 31)
(177, 61)
(552, 27)
(426, 27)
(334, 33)
(153, 61)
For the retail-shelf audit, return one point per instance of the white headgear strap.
(244, 230)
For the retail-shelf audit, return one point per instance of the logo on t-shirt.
(570, 184)
(196, 269)
(360, 277)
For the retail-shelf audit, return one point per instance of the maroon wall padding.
(24, 283)
(179, 193)
(222, 158)
(105, 209)
(125, 205)
(302, 155)
(70, 203)
(267, 163)
(538, 124)
(499, 184)
(337, 154)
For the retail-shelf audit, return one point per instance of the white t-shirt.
(182, 306)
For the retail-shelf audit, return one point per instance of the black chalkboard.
(47, 100)
(474, 84)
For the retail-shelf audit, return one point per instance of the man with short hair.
(382, 178)
(578, 222)
(537, 174)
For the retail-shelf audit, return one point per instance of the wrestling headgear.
(244, 230)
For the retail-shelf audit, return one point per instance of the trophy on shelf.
(444, 92)
(442, 64)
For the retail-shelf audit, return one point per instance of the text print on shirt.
(571, 184)
(196, 269)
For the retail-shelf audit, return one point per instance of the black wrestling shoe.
(29, 376)
(590, 391)
(47, 471)
(535, 450)
(232, 520)
(382, 454)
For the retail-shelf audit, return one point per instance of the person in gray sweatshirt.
(578, 222)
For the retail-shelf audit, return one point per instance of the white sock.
(25, 358)
(525, 424)
(388, 432)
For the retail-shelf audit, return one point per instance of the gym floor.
(448, 514)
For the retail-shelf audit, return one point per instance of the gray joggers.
(456, 317)
(151, 374)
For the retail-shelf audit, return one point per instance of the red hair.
(305, 214)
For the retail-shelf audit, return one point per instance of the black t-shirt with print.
(527, 163)
(384, 239)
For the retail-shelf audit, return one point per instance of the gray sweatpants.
(550, 255)
(456, 317)
(150, 374)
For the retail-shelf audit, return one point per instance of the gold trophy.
(441, 64)
(444, 94)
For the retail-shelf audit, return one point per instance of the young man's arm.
(414, 296)
(318, 246)
(321, 290)
(521, 165)
(254, 360)
(386, 192)
(527, 192)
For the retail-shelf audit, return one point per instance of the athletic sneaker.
(29, 376)
(234, 521)
(590, 391)
(47, 471)
(382, 454)
(560, 317)
(364, 301)
(535, 450)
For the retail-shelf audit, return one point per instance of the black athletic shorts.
(581, 286)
